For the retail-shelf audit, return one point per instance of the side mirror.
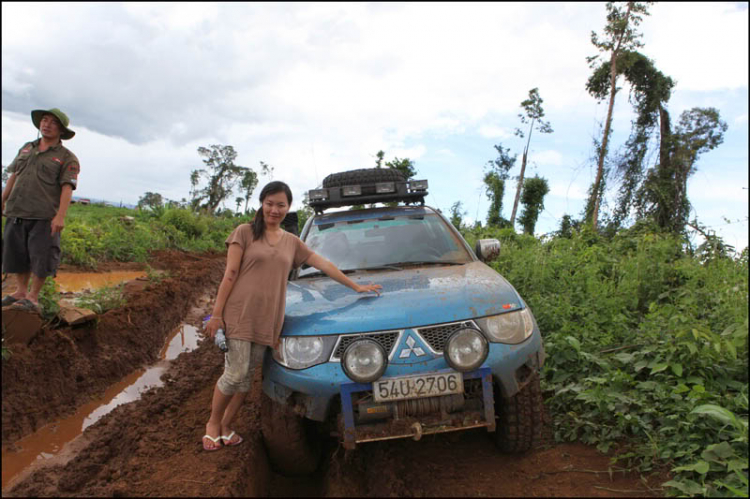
(487, 249)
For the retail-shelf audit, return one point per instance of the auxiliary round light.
(364, 361)
(466, 350)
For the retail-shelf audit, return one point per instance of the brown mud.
(152, 446)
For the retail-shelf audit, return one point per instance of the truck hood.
(410, 298)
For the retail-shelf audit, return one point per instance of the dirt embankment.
(152, 447)
(62, 369)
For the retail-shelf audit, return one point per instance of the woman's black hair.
(259, 225)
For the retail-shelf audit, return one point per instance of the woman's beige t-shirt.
(254, 310)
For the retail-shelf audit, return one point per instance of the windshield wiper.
(380, 267)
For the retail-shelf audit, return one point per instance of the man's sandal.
(8, 301)
(26, 304)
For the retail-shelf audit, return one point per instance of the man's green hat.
(36, 118)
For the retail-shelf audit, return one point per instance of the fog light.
(466, 350)
(364, 361)
(316, 194)
(385, 187)
(352, 190)
(418, 185)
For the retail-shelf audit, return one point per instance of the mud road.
(152, 446)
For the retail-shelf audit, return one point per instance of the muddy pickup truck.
(448, 346)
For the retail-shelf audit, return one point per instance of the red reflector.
(507, 306)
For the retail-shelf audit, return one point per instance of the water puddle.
(49, 440)
(75, 282)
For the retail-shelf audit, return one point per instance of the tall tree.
(619, 35)
(457, 214)
(663, 195)
(221, 174)
(496, 173)
(405, 166)
(379, 161)
(248, 183)
(152, 200)
(650, 90)
(532, 114)
(534, 190)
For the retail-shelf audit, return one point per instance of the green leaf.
(574, 343)
(731, 349)
(676, 369)
(640, 365)
(687, 487)
(681, 388)
(625, 358)
(718, 453)
(701, 467)
(716, 412)
(659, 367)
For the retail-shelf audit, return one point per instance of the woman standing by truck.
(250, 303)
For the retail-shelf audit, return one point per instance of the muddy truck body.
(449, 345)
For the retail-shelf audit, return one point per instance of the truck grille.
(436, 336)
(387, 340)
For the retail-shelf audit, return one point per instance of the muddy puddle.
(50, 440)
(74, 282)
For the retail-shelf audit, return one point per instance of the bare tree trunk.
(605, 140)
(608, 124)
(520, 178)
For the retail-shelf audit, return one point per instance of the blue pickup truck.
(448, 346)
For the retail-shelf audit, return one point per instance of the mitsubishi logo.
(406, 352)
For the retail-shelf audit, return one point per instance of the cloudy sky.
(313, 89)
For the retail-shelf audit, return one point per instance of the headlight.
(300, 352)
(512, 327)
(364, 361)
(466, 350)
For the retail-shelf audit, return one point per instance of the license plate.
(423, 385)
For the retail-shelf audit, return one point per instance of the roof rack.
(408, 191)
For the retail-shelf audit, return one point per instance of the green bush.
(645, 344)
(185, 221)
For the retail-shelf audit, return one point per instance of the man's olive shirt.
(39, 180)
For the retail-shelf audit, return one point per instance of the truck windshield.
(387, 241)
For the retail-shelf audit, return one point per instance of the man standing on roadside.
(43, 177)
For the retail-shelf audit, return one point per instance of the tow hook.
(417, 428)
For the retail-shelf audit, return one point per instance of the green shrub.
(49, 298)
(103, 299)
(641, 339)
(185, 221)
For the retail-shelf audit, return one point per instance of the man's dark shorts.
(29, 246)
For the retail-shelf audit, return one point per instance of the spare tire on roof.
(363, 176)
(290, 223)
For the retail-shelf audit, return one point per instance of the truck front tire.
(291, 441)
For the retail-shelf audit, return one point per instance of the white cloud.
(702, 45)
(494, 132)
(567, 190)
(546, 158)
(316, 88)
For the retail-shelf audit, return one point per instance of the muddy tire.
(521, 418)
(291, 441)
(363, 176)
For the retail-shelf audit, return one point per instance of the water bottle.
(221, 340)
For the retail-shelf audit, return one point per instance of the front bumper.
(311, 392)
(415, 426)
